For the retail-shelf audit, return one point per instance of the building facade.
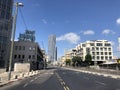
(119, 43)
(52, 48)
(100, 50)
(28, 52)
(27, 36)
(5, 31)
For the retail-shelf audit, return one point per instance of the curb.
(6, 83)
(96, 73)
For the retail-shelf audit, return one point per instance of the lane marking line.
(25, 85)
(64, 88)
(31, 80)
(101, 83)
(63, 83)
(36, 77)
(67, 88)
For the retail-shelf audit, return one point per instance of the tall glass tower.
(51, 48)
(5, 30)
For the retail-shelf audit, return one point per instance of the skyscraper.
(51, 48)
(5, 30)
(119, 43)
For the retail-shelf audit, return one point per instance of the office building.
(28, 52)
(5, 31)
(27, 36)
(100, 50)
(119, 43)
(52, 48)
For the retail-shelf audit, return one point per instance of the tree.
(88, 59)
(68, 62)
(76, 60)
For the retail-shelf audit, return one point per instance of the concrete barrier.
(15, 76)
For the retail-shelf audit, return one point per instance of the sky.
(72, 21)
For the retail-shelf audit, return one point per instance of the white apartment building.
(100, 50)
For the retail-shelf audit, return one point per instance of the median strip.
(62, 82)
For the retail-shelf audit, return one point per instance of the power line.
(23, 18)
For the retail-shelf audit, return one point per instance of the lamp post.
(13, 36)
(95, 62)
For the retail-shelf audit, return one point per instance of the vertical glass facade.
(51, 48)
(5, 30)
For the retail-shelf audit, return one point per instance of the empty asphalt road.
(62, 79)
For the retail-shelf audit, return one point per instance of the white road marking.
(25, 85)
(64, 88)
(36, 77)
(31, 80)
(101, 83)
(67, 88)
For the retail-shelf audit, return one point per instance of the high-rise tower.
(51, 48)
(119, 42)
(5, 30)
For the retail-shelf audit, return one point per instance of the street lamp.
(17, 4)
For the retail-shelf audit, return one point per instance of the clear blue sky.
(72, 21)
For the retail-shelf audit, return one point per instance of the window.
(15, 56)
(105, 53)
(23, 56)
(102, 57)
(107, 44)
(97, 57)
(97, 48)
(19, 56)
(101, 53)
(29, 56)
(109, 49)
(23, 47)
(33, 56)
(30, 48)
(106, 57)
(2, 14)
(99, 44)
(93, 53)
(101, 49)
(110, 57)
(19, 47)
(93, 48)
(105, 49)
(16, 47)
(91, 44)
(97, 53)
(83, 45)
(109, 53)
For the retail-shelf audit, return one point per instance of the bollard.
(0, 80)
(16, 76)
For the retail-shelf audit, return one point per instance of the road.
(62, 79)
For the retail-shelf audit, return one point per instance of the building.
(28, 52)
(100, 50)
(63, 61)
(68, 54)
(56, 53)
(119, 43)
(5, 31)
(27, 36)
(51, 48)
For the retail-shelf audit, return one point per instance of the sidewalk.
(15, 76)
(101, 72)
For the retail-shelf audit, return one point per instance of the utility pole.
(13, 37)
